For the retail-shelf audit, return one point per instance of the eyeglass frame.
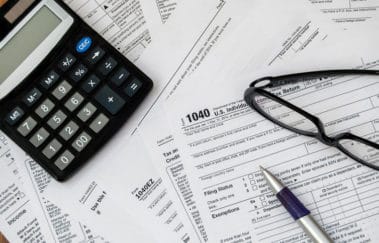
(321, 135)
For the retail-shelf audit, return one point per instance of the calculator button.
(57, 120)
(120, 76)
(14, 116)
(39, 137)
(133, 87)
(45, 108)
(78, 72)
(52, 149)
(95, 55)
(64, 160)
(74, 102)
(27, 126)
(32, 97)
(87, 112)
(66, 62)
(99, 123)
(91, 83)
(69, 131)
(81, 142)
(62, 90)
(111, 101)
(107, 66)
(50, 80)
(84, 44)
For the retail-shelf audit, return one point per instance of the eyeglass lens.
(361, 151)
(285, 115)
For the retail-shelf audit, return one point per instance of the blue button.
(84, 44)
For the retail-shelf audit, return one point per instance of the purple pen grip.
(292, 204)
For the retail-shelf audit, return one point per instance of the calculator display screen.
(27, 40)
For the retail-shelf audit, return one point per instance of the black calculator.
(64, 91)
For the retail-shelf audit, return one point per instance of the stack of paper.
(185, 167)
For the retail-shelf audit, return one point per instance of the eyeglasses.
(295, 119)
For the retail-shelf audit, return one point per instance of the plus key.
(110, 100)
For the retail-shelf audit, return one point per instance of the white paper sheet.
(161, 218)
(219, 23)
(124, 23)
(37, 219)
(19, 220)
(217, 159)
(103, 16)
(350, 14)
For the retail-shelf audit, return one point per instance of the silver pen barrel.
(311, 228)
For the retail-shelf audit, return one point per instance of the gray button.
(52, 149)
(69, 130)
(45, 108)
(74, 102)
(39, 137)
(87, 112)
(81, 142)
(64, 160)
(27, 126)
(99, 123)
(62, 90)
(57, 120)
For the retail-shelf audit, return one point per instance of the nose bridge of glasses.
(325, 139)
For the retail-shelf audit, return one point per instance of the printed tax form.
(28, 216)
(350, 14)
(213, 167)
(219, 26)
(57, 224)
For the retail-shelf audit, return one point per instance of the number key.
(57, 120)
(27, 126)
(69, 131)
(87, 112)
(81, 142)
(74, 102)
(64, 160)
(39, 137)
(45, 108)
(62, 90)
(52, 149)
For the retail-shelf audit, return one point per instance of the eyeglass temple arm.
(298, 77)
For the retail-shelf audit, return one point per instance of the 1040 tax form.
(211, 158)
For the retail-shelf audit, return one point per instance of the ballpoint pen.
(297, 210)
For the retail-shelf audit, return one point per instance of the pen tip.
(261, 167)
